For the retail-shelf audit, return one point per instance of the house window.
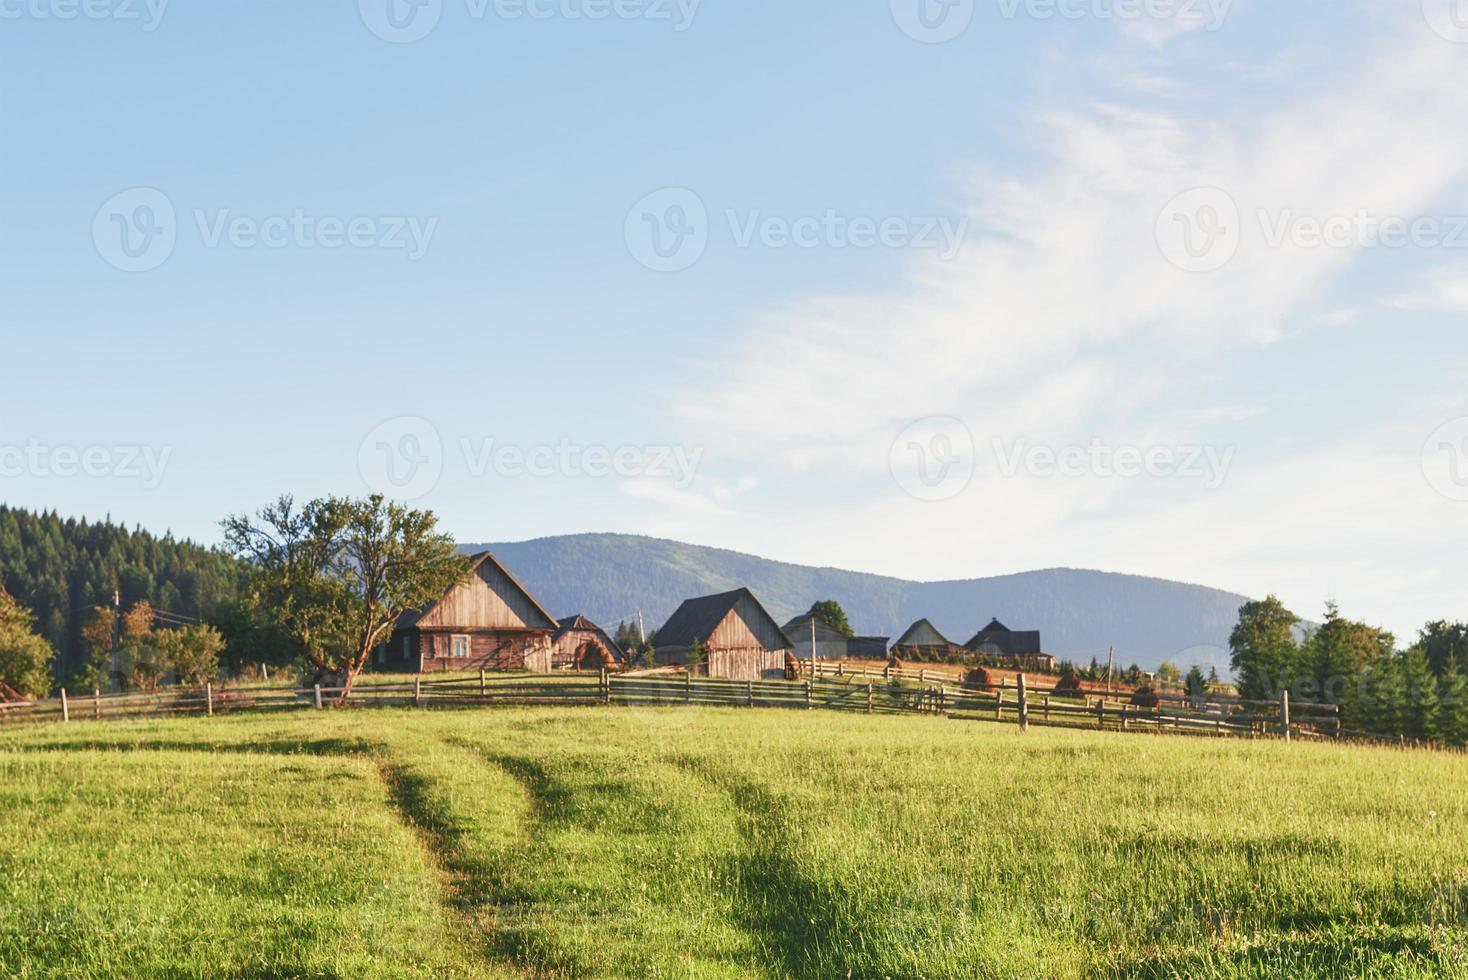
(459, 646)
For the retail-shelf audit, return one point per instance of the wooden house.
(830, 643)
(489, 621)
(922, 641)
(1021, 648)
(742, 641)
(580, 644)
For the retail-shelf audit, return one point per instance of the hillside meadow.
(717, 843)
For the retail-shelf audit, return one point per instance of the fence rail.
(888, 692)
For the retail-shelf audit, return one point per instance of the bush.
(978, 678)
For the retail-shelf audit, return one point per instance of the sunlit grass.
(616, 842)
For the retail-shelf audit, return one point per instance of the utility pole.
(116, 632)
(1110, 656)
(812, 646)
(641, 633)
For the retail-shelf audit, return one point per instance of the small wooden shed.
(580, 644)
(831, 643)
(489, 621)
(743, 641)
(922, 641)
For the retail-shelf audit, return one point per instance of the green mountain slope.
(609, 577)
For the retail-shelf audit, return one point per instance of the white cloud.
(1446, 291)
(1063, 322)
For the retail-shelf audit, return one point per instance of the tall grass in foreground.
(718, 843)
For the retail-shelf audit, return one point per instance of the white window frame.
(454, 646)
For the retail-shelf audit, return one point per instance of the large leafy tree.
(1264, 654)
(829, 611)
(1444, 644)
(336, 574)
(25, 657)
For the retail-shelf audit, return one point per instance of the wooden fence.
(895, 692)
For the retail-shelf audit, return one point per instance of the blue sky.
(929, 406)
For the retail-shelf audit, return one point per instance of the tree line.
(1418, 693)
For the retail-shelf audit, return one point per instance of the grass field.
(708, 843)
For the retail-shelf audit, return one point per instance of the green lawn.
(706, 843)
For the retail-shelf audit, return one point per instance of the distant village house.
(742, 641)
(1018, 648)
(487, 622)
(922, 641)
(580, 644)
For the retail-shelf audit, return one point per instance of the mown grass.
(621, 842)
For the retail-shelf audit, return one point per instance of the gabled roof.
(914, 628)
(580, 623)
(1006, 640)
(411, 618)
(799, 628)
(700, 617)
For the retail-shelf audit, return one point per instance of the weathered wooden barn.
(487, 622)
(743, 641)
(922, 641)
(830, 643)
(1019, 647)
(580, 644)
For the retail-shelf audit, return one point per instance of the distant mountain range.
(609, 577)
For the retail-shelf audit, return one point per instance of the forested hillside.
(61, 569)
(1079, 613)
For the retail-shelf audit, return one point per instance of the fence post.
(65, 708)
(209, 698)
(1024, 707)
(606, 687)
(1284, 712)
(417, 692)
(749, 694)
(1101, 713)
(97, 703)
(483, 689)
(999, 702)
(1046, 700)
(318, 697)
(923, 676)
(688, 685)
(869, 697)
(810, 701)
(887, 672)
